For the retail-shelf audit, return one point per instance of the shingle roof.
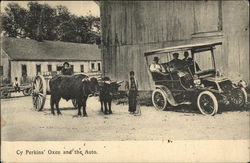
(32, 50)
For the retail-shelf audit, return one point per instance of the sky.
(79, 8)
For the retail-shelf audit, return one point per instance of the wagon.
(193, 80)
(7, 89)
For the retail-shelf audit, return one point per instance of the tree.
(13, 20)
(42, 22)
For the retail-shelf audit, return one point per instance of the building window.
(92, 66)
(24, 70)
(72, 68)
(82, 68)
(38, 69)
(49, 68)
(99, 66)
(1, 70)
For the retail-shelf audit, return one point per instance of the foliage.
(42, 22)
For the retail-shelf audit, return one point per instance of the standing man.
(132, 87)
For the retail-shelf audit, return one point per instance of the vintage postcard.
(125, 81)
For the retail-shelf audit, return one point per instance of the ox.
(107, 91)
(77, 87)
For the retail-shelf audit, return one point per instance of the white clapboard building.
(26, 58)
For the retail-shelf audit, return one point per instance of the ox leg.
(79, 102)
(106, 107)
(84, 108)
(57, 106)
(52, 102)
(110, 111)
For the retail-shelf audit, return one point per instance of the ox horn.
(120, 82)
(85, 79)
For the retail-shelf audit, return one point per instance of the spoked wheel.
(74, 103)
(238, 97)
(38, 92)
(207, 103)
(27, 92)
(159, 99)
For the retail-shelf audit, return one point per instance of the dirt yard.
(21, 123)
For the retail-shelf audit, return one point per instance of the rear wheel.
(238, 97)
(159, 99)
(207, 103)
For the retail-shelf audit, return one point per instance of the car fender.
(168, 94)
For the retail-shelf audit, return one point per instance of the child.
(132, 87)
(16, 85)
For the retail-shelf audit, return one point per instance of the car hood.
(216, 79)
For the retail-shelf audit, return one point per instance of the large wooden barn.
(130, 28)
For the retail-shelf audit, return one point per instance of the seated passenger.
(155, 66)
(186, 58)
(176, 64)
(156, 69)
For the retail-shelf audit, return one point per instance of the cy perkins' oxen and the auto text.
(76, 87)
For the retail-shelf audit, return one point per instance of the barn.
(26, 58)
(130, 28)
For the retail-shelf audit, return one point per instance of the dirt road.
(22, 123)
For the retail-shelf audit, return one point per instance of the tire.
(159, 99)
(38, 92)
(207, 103)
(238, 97)
(27, 92)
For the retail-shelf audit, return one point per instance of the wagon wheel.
(38, 92)
(159, 99)
(27, 91)
(5, 93)
(74, 103)
(207, 103)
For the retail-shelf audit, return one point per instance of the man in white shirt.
(155, 66)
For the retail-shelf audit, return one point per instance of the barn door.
(207, 16)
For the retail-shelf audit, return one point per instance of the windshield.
(204, 61)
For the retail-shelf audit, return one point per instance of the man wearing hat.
(176, 63)
(155, 66)
(66, 70)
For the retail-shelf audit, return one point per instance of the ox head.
(90, 86)
(113, 87)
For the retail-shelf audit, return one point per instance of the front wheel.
(207, 103)
(159, 99)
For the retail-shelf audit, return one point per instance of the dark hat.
(186, 54)
(66, 63)
(131, 73)
(156, 59)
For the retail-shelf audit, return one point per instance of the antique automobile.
(193, 79)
